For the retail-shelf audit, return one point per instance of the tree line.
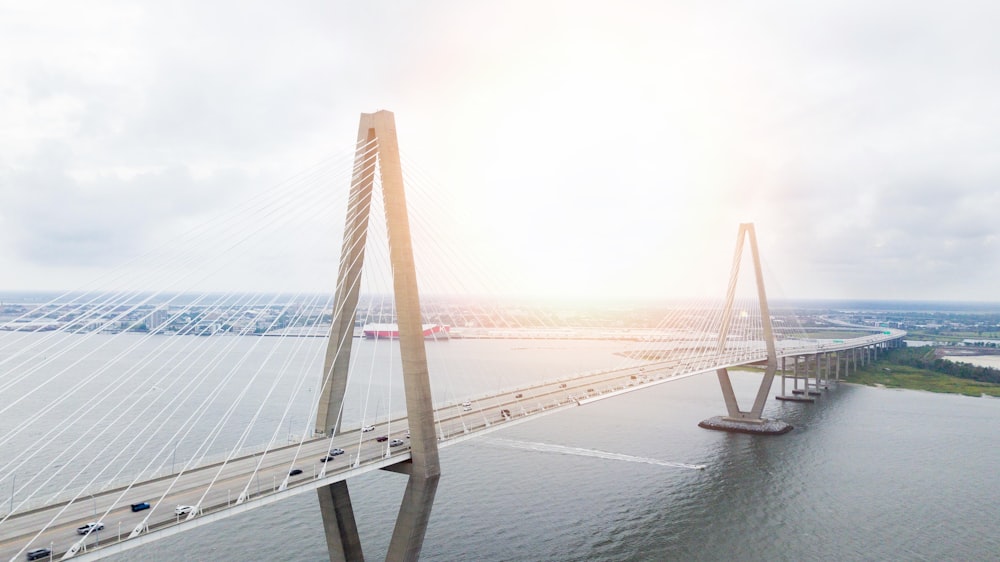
(925, 358)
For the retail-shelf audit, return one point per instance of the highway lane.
(112, 507)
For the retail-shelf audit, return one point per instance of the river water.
(867, 474)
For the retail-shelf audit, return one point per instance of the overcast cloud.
(625, 140)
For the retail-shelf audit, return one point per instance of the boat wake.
(563, 450)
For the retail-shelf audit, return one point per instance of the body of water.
(992, 361)
(867, 474)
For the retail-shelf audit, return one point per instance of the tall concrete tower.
(378, 146)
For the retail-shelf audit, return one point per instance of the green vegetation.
(919, 369)
(951, 337)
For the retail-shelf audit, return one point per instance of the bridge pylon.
(378, 146)
(752, 420)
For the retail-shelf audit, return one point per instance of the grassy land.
(902, 376)
(951, 336)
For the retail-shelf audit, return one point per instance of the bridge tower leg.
(377, 143)
(736, 420)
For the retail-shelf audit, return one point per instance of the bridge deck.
(363, 453)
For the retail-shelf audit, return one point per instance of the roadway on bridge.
(363, 452)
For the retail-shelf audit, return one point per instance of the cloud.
(860, 138)
(53, 216)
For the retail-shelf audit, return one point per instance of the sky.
(593, 149)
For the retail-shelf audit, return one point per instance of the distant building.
(156, 319)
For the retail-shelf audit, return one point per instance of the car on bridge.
(368, 428)
(140, 506)
(382, 438)
(38, 554)
(396, 442)
(336, 451)
(90, 527)
(295, 472)
(183, 509)
(327, 458)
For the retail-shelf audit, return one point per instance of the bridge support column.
(342, 540)
(810, 365)
(377, 143)
(782, 376)
(751, 421)
(829, 369)
(822, 371)
(814, 361)
(796, 395)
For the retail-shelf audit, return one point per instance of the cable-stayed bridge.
(159, 411)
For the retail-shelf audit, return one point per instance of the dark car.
(140, 506)
(295, 472)
(327, 458)
(382, 438)
(518, 395)
(39, 553)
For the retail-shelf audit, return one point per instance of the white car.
(368, 428)
(90, 527)
(396, 442)
(183, 509)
